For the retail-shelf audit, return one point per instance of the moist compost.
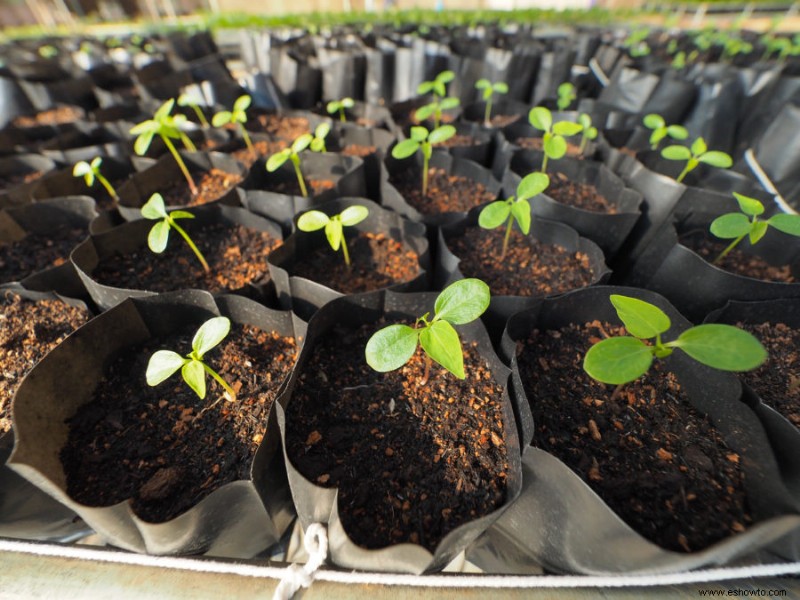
(237, 256)
(284, 128)
(163, 447)
(537, 143)
(211, 185)
(654, 459)
(446, 193)
(578, 195)
(37, 251)
(411, 462)
(529, 268)
(55, 116)
(459, 141)
(376, 262)
(29, 329)
(358, 151)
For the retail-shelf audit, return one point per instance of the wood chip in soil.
(211, 185)
(654, 459)
(36, 252)
(164, 447)
(283, 128)
(537, 143)
(54, 116)
(578, 195)
(411, 462)
(446, 193)
(529, 268)
(29, 329)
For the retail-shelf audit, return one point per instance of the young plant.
(620, 360)
(735, 226)
(158, 237)
(636, 42)
(317, 143)
(314, 220)
(90, 172)
(439, 89)
(489, 89)
(164, 363)
(460, 303)
(553, 143)
(238, 116)
(292, 153)
(662, 130)
(589, 131)
(185, 100)
(167, 128)
(339, 106)
(566, 95)
(514, 209)
(698, 153)
(422, 139)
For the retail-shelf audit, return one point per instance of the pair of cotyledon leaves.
(553, 142)
(746, 223)
(314, 220)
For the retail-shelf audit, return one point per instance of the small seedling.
(553, 143)
(636, 42)
(460, 303)
(187, 99)
(165, 363)
(489, 89)
(314, 220)
(515, 208)
(158, 237)
(439, 89)
(292, 154)
(239, 116)
(339, 106)
(566, 95)
(698, 153)
(662, 130)
(317, 143)
(589, 131)
(422, 139)
(620, 360)
(90, 172)
(48, 51)
(737, 225)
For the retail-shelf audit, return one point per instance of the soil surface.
(237, 256)
(13, 180)
(211, 185)
(359, 151)
(459, 141)
(500, 121)
(412, 462)
(737, 262)
(164, 447)
(376, 262)
(262, 147)
(292, 188)
(578, 195)
(537, 143)
(529, 268)
(654, 459)
(36, 252)
(446, 193)
(55, 116)
(283, 128)
(28, 330)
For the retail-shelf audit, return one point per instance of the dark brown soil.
(263, 148)
(459, 141)
(500, 121)
(737, 262)
(654, 459)
(578, 195)
(377, 262)
(211, 185)
(446, 193)
(412, 118)
(36, 252)
(530, 268)
(537, 143)
(237, 256)
(411, 462)
(164, 447)
(101, 197)
(29, 330)
(283, 128)
(777, 381)
(9, 181)
(359, 151)
(292, 188)
(54, 116)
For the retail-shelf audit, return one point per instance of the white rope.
(765, 181)
(301, 576)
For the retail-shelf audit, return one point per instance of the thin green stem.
(296, 162)
(437, 117)
(342, 118)
(247, 139)
(189, 241)
(584, 141)
(109, 188)
(508, 236)
(220, 380)
(424, 174)
(345, 251)
(171, 147)
(544, 163)
(201, 116)
(684, 173)
(727, 250)
(487, 116)
(188, 143)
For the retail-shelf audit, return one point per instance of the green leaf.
(353, 215)
(640, 318)
(144, 127)
(540, 118)
(716, 159)
(154, 208)
(186, 99)
(164, 110)
(758, 230)
(391, 347)
(301, 143)
(585, 120)
(332, 107)
(618, 360)
(677, 132)
(89, 179)
(142, 143)
(463, 301)
(162, 365)
(221, 118)
(501, 87)
(275, 161)
(180, 214)
(322, 130)
(749, 206)
(317, 145)
(440, 341)
(786, 223)
(555, 146)
(441, 134)
(487, 93)
(532, 185)
(194, 375)
(699, 146)
(494, 214)
(312, 220)
(158, 237)
(567, 128)
(211, 333)
(80, 169)
(242, 103)
(348, 102)
(722, 346)
(424, 87)
(483, 84)
(591, 133)
(418, 134)
(676, 153)
(730, 226)
(446, 76)
(333, 231)
(449, 103)
(439, 89)
(521, 209)
(424, 112)
(653, 121)
(405, 149)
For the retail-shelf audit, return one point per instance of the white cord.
(766, 183)
(297, 576)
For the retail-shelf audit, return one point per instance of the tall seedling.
(439, 89)
(423, 140)
(554, 144)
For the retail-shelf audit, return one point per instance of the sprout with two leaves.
(439, 89)
(164, 363)
(292, 153)
(589, 131)
(317, 143)
(489, 89)
(340, 106)
(188, 100)
(566, 95)
(554, 143)
(662, 130)
(158, 237)
(238, 116)
(91, 172)
(314, 220)
(424, 140)
(698, 153)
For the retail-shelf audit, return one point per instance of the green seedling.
(460, 303)
(187, 100)
(158, 237)
(238, 116)
(48, 51)
(514, 208)
(168, 129)
(292, 153)
(314, 220)
(636, 42)
(317, 143)
(340, 106)
(566, 95)
(489, 89)
(91, 172)
(620, 360)
(422, 139)
(589, 131)
(736, 226)
(165, 363)
(734, 46)
(553, 143)
(662, 130)
(698, 153)
(439, 89)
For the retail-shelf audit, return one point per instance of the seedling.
(566, 95)
(515, 208)
(91, 172)
(339, 106)
(292, 154)
(439, 88)
(662, 130)
(158, 237)
(165, 363)
(489, 89)
(317, 143)
(737, 225)
(239, 116)
(48, 51)
(636, 42)
(698, 153)
(620, 360)
(422, 139)
(589, 131)
(553, 143)
(167, 128)
(460, 303)
(314, 220)
(185, 100)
